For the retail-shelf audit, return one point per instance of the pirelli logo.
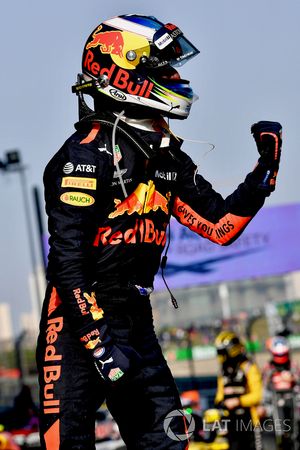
(79, 182)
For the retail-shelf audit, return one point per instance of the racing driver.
(110, 192)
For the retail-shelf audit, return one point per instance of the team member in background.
(281, 373)
(240, 391)
(110, 192)
(281, 383)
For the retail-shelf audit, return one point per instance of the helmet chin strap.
(151, 125)
(141, 124)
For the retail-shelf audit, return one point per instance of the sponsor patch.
(117, 155)
(91, 339)
(92, 344)
(170, 176)
(104, 149)
(125, 181)
(86, 183)
(115, 374)
(99, 352)
(85, 168)
(97, 313)
(118, 95)
(77, 199)
(68, 168)
(107, 361)
(163, 41)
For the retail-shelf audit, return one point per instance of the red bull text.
(52, 372)
(144, 231)
(91, 339)
(118, 78)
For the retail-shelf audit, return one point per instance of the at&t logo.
(68, 168)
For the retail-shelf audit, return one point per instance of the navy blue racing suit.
(105, 250)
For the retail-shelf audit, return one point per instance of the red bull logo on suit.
(144, 231)
(144, 198)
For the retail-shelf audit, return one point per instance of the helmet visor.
(184, 50)
(172, 50)
(222, 351)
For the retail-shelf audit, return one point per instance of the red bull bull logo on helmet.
(111, 42)
(144, 198)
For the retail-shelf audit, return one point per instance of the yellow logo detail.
(142, 200)
(79, 182)
(132, 41)
(77, 199)
(92, 344)
(96, 312)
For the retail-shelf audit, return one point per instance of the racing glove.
(268, 139)
(114, 362)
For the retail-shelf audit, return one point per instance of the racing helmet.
(129, 64)
(228, 346)
(280, 350)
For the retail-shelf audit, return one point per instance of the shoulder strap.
(108, 120)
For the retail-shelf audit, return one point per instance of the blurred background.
(247, 70)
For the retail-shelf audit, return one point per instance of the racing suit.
(104, 253)
(242, 380)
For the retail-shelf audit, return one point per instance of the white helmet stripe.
(126, 25)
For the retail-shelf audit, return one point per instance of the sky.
(247, 70)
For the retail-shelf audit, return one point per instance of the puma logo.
(108, 361)
(104, 149)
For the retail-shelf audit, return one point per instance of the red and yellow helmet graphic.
(124, 47)
(125, 56)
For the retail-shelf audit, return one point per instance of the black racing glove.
(114, 362)
(268, 139)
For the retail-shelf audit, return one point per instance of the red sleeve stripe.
(276, 142)
(221, 232)
(92, 134)
(54, 301)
